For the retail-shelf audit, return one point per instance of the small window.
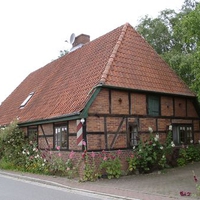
(153, 105)
(32, 133)
(60, 137)
(182, 134)
(133, 135)
(26, 100)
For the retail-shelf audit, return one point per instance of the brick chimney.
(80, 40)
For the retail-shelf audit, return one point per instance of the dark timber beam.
(116, 134)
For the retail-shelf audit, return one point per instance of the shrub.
(91, 172)
(12, 140)
(148, 156)
(33, 159)
(111, 164)
(188, 153)
(6, 164)
(151, 154)
(18, 152)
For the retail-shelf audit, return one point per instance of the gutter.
(61, 118)
(196, 102)
(146, 91)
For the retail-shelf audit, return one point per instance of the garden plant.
(18, 152)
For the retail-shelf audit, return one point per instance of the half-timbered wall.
(45, 136)
(112, 111)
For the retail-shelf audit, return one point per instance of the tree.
(157, 31)
(176, 37)
(190, 25)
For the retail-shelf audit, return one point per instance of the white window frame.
(60, 136)
(26, 100)
(187, 134)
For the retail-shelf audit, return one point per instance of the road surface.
(17, 189)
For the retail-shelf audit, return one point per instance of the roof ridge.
(113, 54)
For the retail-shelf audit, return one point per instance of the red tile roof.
(120, 58)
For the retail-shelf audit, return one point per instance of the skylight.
(26, 100)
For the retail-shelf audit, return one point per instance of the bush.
(12, 141)
(91, 171)
(148, 156)
(151, 154)
(111, 164)
(34, 161)
(6, 164)
(19, 153)
(188, 154)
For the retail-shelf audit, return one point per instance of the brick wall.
(145, 123)
(180, 107)
(173, 110)
(72, 127)
(73, 143)
(43, 144)
(101, 103)
(113, 124)
(98, 125)
(167, 106)
(163, 124)
(119, 102)
(95, 142)
(196, 125)
(48, 130)
(191, 112)
(120, 142)
(95, 124)
(79, 161)
(138, 104)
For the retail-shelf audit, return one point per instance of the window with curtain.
(60, 136)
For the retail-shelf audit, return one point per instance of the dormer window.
(26, 100)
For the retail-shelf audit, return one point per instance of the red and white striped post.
(79, 124)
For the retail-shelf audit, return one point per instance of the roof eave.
(61, 118)
(73, 116)
(147, 91)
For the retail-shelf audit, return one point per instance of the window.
(182, 134)
(133, 135)
(32, 133)
(60, 136)
(26, 100)
(153, 105)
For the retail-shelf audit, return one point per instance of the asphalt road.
(17, 189)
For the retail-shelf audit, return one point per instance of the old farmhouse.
(107, 91)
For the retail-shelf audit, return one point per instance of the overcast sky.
(32, 32)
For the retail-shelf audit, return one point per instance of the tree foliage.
(176, 37)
